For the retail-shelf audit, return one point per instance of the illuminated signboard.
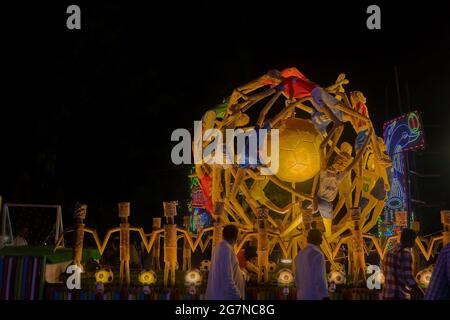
(402, 134)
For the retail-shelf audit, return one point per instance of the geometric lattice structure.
(322, 172)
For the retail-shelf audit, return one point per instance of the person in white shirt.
(225, 280)
(310, 272)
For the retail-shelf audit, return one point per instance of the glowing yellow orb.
(285, 277)
(104, 275)
(193, 277)
(147, 277)
(299, 150)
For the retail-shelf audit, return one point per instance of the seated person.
(21, 238)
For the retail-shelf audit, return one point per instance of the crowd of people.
(226, 282)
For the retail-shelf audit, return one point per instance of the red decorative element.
(293, 72)
(297, 88)
(362, 109)
(293, 83)
(206, 185)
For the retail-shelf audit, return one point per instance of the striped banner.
(21, 277)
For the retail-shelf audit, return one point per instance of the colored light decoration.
(192, 279)
(285, 277)
(390, 231)
(380, 227)
(147, 277)
(199, 217)
(401, 135)
(104, 275)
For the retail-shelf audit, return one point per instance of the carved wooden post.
(170, 242)
(217, 224)
(124, 213)
(156, 249)
(187, 251)
(262, 245)
(445, 219)
(79, 216)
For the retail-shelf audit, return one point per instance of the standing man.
(225, 280)
(398, 270)
(310, 272)
(439, 288)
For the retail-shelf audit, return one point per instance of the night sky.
(87, 114)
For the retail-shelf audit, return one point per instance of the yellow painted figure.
(217, 223)
(357, 249)
(445, 219)
(156, 250)
(170, 253)
(187, 250)
(79, 216)
(374, 191)
(124, 213)
(170, 241)
(262, 245)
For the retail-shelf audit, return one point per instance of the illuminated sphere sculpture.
(316, 146)
(299, 150)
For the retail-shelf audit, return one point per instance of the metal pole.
(397, 85)
(408, 98)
